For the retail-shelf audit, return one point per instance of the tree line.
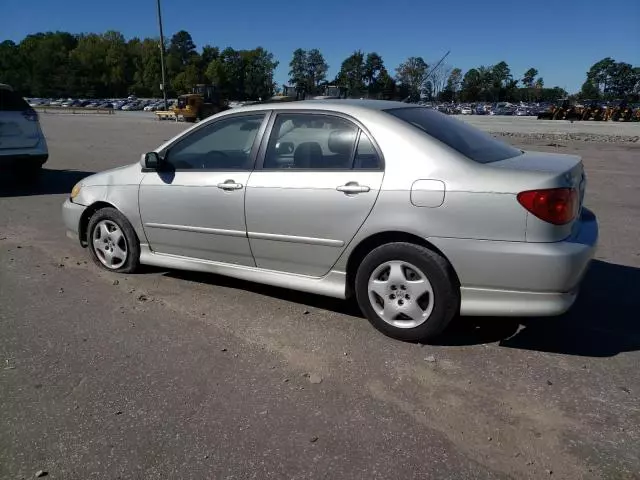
(61, 64)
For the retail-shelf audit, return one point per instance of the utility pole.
(164, 84)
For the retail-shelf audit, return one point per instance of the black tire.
(446, 293)
(132, 261)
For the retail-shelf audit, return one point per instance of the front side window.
(469, 141)
(223, 145)
(311, 141)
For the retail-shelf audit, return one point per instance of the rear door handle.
(230, 185)
(353, 187)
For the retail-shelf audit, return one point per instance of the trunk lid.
(16, 131)
(19, 127)
(542, 170)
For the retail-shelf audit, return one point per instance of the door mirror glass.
(152, 160)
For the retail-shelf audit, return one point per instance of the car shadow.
(602, 322)
(48, 182)
(307, 299)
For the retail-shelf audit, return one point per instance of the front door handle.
(353, 187)
(230, 185)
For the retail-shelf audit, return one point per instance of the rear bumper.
(522, 278)
(71, 214)
(23, 160)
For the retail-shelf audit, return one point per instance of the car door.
(194, 206)
(317, 178)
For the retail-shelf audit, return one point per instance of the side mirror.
(151, 160)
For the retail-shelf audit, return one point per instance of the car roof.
(359, 106)
(4, 86)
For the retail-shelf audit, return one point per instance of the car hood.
(126, 175)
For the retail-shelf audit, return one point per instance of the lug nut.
(392, 296)
(400, 302)
(403, 287)
(393, 287)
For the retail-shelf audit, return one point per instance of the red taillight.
(554, 205)
(30, 115)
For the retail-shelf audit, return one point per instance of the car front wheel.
(112, 241)
(406, 291)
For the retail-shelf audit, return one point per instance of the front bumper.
(71, 215)
(522, 278)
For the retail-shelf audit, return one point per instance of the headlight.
(75, 191)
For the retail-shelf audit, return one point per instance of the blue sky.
(561, 38)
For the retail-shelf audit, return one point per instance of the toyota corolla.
(417, 215)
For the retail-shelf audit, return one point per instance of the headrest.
(341, 141)
(307, 154)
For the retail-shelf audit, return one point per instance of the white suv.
(23, 148)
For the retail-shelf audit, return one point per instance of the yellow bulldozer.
(621, 113)
(202, 102)
(594, 111)
(566, 110)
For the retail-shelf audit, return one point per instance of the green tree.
(316, 70)
(387, 85)
(412, 73)
(623, 79)
(500, 77)
(600, 74)
(298, 69)
(529, 77)
(244, 74)
(527, 80)
(180, 53)
(351, 74)
(589, 91)
(88, 61)
(472, 85)
(11, 65)
(116, 60)
(208, 55)
(46, 70)
(259, 66)
(454, 82)
(373, 67)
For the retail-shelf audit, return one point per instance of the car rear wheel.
(112, 241)
(406, 291)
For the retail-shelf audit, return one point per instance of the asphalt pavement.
(168, 374)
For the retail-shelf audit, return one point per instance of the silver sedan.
(415, 214)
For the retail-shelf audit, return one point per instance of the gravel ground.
(169, 374)
(530, 128)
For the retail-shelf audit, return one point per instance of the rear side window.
(462, 137)
(366, 155)
(11, 102)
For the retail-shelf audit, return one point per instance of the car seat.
(308, 155)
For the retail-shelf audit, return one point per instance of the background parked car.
(23, 148)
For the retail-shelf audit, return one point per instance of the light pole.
(164, 85)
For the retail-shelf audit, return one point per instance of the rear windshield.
(469, 141)
(11, 102)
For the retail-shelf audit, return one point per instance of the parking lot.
(169, 374)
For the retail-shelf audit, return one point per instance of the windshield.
(182, 102)
(462, 137)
